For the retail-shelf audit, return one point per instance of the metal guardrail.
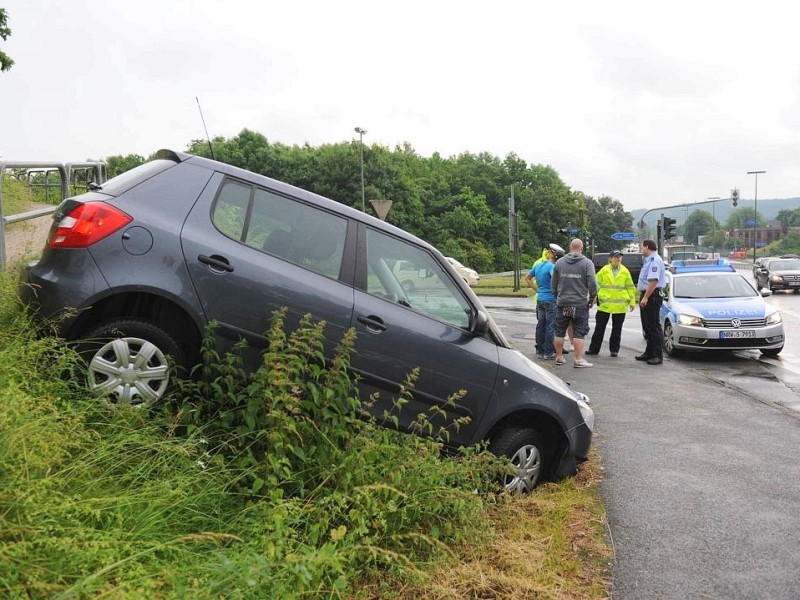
(65, 171)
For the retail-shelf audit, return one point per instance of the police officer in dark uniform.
(651, 284)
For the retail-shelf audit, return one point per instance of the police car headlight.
(774, 318)
(690, 320)
(776, 278)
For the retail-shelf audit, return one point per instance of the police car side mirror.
(765, 292)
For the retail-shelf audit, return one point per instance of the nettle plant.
(298, 423)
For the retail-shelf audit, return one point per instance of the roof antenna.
(204, 127)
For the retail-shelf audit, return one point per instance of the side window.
(297, 232)
(230, 209)
(404, 273)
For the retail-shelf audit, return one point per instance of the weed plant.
(243, 486)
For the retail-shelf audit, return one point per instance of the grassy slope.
(96, 502)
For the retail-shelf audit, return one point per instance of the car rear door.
(426, 327)
(252, 250)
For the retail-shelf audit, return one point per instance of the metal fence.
(66, 172)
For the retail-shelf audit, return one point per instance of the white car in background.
(469, 275)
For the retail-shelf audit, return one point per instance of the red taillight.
(86, 224)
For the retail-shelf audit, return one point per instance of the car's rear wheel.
(669, 340)
(525, 448)
(127, 361)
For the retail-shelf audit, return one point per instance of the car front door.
(426, 327)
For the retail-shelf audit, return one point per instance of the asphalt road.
(702, 463)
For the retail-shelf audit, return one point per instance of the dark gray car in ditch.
(135, 269)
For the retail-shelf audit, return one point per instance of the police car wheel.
(669, 340)
(772, 353)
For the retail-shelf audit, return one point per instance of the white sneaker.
(582, 364)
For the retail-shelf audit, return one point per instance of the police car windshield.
(713, 286)
(784, 265)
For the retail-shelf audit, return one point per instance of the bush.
(243, 486)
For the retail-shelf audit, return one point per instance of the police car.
(709, 306)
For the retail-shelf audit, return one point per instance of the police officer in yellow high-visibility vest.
(616, 294)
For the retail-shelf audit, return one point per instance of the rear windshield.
(125, 181)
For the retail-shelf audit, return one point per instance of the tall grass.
(262, 486)
(241, 487)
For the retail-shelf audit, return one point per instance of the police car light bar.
(699, 266)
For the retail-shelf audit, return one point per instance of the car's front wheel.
(127, 361)
(525, 449)
(772, 353)
(669, 340)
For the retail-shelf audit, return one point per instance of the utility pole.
(360, 131)
(513, 238)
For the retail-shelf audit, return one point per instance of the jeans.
(545, 327)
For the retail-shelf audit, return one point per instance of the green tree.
(606, 217)
(700, 222)
(787, 245)
(119, 164)
(789, 217)
(738, 218)
(5, 60)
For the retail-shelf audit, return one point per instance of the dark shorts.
(580, 322)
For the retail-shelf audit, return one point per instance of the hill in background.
(768, 208)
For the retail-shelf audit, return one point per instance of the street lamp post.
(713, 200)
(755, 210)
(361, 133)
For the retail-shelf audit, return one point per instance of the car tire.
(772, 353)
(127, 361)
(669, 340)
(525, 448)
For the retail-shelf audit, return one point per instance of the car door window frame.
(394, 293)
(333, 238)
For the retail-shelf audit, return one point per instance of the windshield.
(713, 286)
(784, 265)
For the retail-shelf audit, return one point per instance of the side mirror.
(480, 323)
(765, 292)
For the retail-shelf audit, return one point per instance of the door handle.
(374, 324)
(216, 262)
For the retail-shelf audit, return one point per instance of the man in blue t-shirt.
(539, 279)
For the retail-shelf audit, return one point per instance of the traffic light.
(668, 227)
(735, 197)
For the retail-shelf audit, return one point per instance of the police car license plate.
(744, 333)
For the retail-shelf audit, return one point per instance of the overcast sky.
(650, 103)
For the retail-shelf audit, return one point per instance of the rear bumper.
(58, 288)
